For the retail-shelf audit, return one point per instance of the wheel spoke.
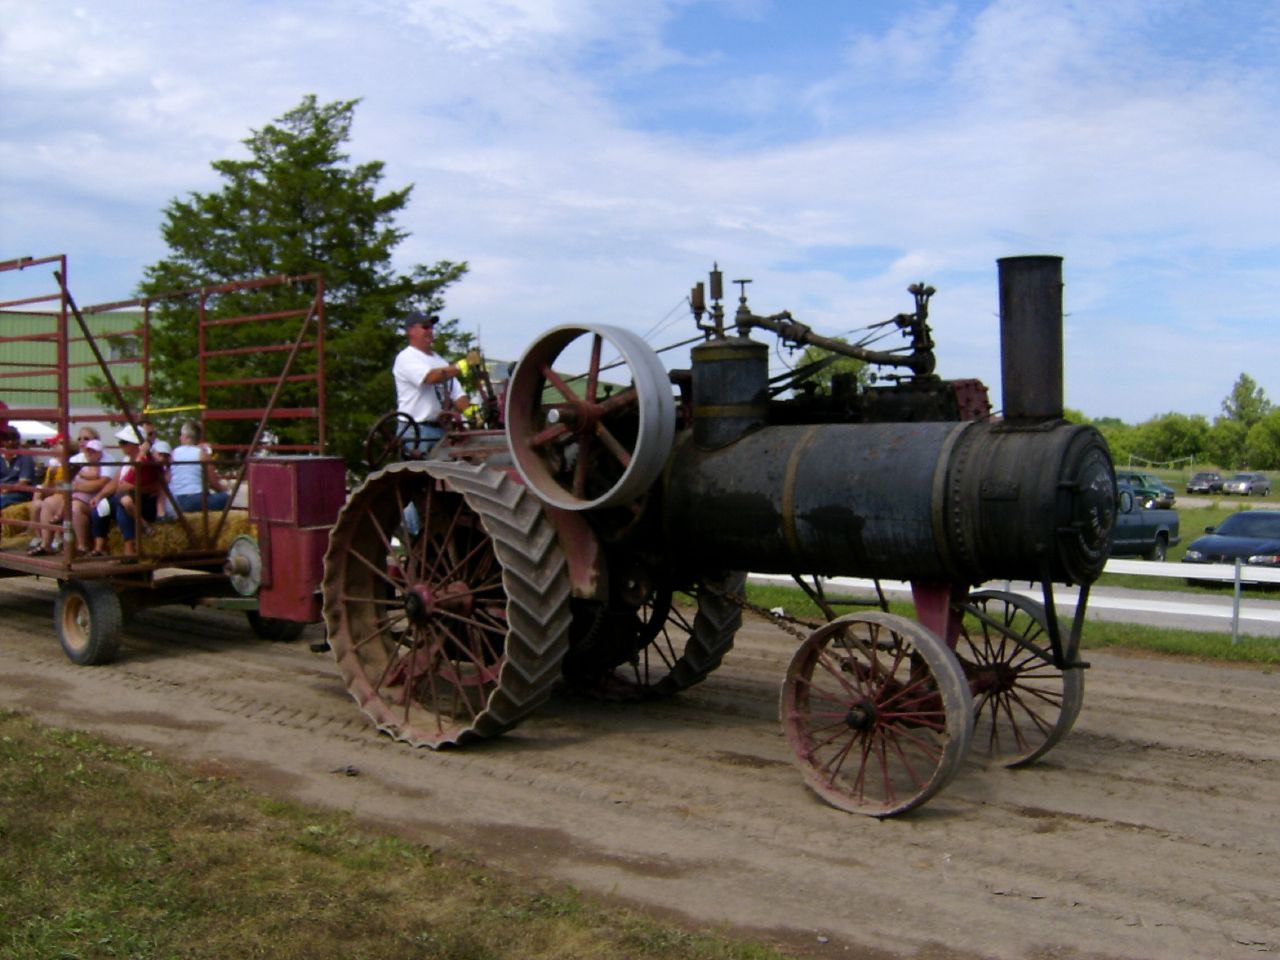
(610, 443)
(1022, 703)
(423, 650)
(876, 709)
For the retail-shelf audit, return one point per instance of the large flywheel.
(446, 599)
(594, 439)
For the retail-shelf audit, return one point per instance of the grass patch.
(107, 852)
(1097, 634)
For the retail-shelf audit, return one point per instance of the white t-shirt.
(187, 473)
(422, 401)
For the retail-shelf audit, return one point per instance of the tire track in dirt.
(1151, 831)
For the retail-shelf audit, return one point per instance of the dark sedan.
(1205, 482)
(1251, 536)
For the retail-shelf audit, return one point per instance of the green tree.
(1225, 444)
(1121, 438)
(828, 366)
(1262, 445)
(1172, 436)
(298, 206)
(1247, 402)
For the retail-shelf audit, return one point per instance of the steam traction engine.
(602, 539)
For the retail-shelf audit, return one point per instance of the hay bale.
(169, 539)
(11, 534)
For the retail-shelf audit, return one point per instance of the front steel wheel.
(446, 598)
(876, 710)
(1022, 704)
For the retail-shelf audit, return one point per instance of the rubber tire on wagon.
(89, 619)
(273, 628)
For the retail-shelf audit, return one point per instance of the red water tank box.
(298, 491)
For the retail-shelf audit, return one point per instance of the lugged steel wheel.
(578, 443)
(446, 598)
(1022, 703)
(676, 652)
(876, 709)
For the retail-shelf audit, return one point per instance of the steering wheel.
(392, 437)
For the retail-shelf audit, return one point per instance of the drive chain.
(800, 629)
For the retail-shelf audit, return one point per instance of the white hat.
(161, 446)
(128, 434)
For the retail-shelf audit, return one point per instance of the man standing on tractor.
(427, 386)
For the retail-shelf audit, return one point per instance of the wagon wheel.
(446, 598)
(578, 443)
(389, 438)
(88, 619)
(876, 708)
(273, 628)
(1022, 703)
(676, 652)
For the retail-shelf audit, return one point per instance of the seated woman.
(136, 488)
(193, 481)
(90, 487)
(49, 505)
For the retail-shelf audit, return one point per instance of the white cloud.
(1024, 128)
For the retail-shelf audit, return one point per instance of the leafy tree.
(832, 365)
(1225, 444)
(297, 206)
(1172, 436)
(1247, 402)
(1121, 438)
(1262, 445)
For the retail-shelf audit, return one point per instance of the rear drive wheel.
(446, 598)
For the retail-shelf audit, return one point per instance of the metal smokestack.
(1031, 338)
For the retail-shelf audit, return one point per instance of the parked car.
(1248, 485)
(1205, 482)
(1146, 531)
(1252, 536)
(1148, 488)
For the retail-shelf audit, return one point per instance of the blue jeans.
(124, 518)
(13, 496)
(190, 502)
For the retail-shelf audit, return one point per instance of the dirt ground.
(1153, 831)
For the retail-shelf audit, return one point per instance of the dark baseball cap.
(418, 318)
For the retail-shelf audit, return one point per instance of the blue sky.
(591, 160)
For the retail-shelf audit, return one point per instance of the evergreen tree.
(1247, 402)
(296, 207)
